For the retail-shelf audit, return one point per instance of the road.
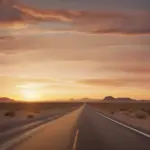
(99, 133)
(83, 129)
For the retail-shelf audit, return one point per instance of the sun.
(30, 94)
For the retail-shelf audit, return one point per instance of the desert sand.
(135, 114)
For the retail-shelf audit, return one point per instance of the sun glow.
(29, 92)
(30, 95)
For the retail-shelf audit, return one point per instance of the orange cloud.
(83, 21)
(116, 82)
(43, 15)
(130, 69)
(13, 24)
(19, 80)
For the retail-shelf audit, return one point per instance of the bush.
(123, 109)
(112, 112)
(127, 113)
(147, 111)
(30, 116)
(9, 114)
(140, 114)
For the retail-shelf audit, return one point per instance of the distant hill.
(6, 100)
(125, 99)
(109, 98)
(120, 99)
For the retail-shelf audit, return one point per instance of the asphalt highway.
(82, 129)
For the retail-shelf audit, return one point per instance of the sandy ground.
(129, 118)
(23, 115)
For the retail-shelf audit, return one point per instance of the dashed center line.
(75, 140)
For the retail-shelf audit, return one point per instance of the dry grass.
(127, 113)
(30, 116)
(112, 112)
(9, 114)
(141, 114)
(147, 111)
(136, 114)
(122, 106)
(137, 110)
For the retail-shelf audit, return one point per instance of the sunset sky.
(62, 49)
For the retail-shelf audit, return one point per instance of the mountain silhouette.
(6, 100)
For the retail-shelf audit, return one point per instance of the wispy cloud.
(136, 68)
(116, 82)
(16, 15)
(24, 81)
(41, 15)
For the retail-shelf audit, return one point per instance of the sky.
(64, 49)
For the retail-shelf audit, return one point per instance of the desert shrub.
(112, 112)
(123, 109)
(127, 113)
(140, 114)
(147, 111)
(143, 109)
(9, 114)
(30, 116)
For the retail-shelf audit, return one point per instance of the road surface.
(83, 129)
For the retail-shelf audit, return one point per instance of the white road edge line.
(126, 126)
(22, 137)
(75, 140)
